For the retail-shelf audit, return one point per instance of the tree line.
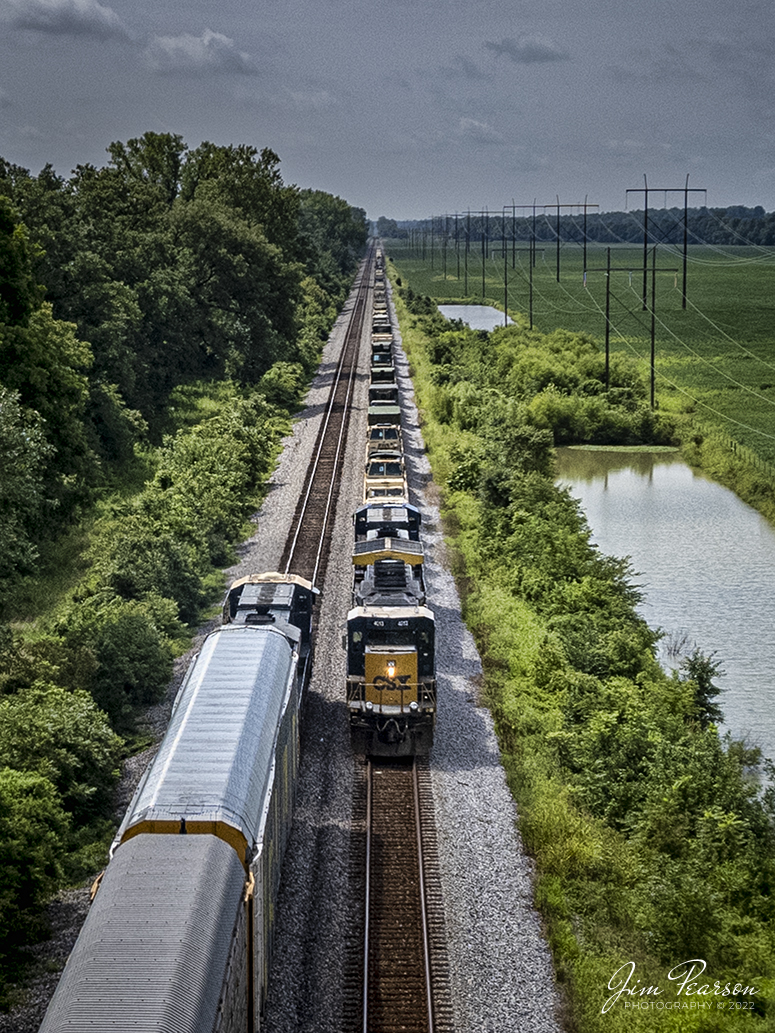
(159, 319)
(167, 266)
(736, 224)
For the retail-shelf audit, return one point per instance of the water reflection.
(478, 317)
(705, 563)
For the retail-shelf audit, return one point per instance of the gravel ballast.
(500, 968)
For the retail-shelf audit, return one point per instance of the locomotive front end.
(391, 680)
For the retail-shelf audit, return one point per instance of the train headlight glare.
(391, 668)
(369, 705)
(413, 705)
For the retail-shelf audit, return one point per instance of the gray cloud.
(209, 53)
(528, 50)
(84, 18)
(461, 67)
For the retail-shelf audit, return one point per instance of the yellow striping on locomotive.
(391, 675)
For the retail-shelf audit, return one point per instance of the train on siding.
(179, 934)
(390, 638)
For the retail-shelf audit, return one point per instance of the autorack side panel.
(266, 867)
(166, 905)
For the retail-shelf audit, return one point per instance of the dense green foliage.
(651, 841)
(159, 320)
(166, 267)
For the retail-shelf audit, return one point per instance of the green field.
(715, 358)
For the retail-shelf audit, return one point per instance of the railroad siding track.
(306, 549)
(398, 975)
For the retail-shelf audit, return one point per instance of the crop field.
(715, 358)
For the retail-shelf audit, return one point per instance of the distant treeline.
(734, 225)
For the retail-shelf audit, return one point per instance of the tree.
(18, 294)
(249, 183)
(701, 670)
(33, 826)
(24, 454)
(64, 737)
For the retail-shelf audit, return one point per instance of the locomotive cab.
(272, 598)
(391, 679)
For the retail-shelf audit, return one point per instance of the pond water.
(705, 562)
(478, 317)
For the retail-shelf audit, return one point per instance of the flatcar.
(179, 935)
(384, 475)
(383, 394)
(382, 374)
(384, 415)
(386, 436)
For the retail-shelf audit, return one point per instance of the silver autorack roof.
(166, 906)
(215, 761)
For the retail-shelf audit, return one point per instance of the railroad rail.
(401, 979)
(307, 546)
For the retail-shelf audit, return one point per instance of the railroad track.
(399, 974)
(307, 547)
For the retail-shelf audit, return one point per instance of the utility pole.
(558, 206)
(666, 190)
(607, 319)
(457, 244)
(505, 269)
(444, 246)
(654, 270)
(468, 243)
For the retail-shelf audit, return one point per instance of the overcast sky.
(409, 109)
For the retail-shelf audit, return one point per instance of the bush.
(33, 827)
(65, 738)
(133, 656)
(283, 384)
(141, 557)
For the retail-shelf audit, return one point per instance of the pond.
(705, 562)
(478, 317)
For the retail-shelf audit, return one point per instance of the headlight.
(413, 705)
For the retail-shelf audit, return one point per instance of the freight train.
(390, 638)
(179, 934)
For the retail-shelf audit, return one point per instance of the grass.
(715, 360)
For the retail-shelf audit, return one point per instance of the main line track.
(399, 976)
